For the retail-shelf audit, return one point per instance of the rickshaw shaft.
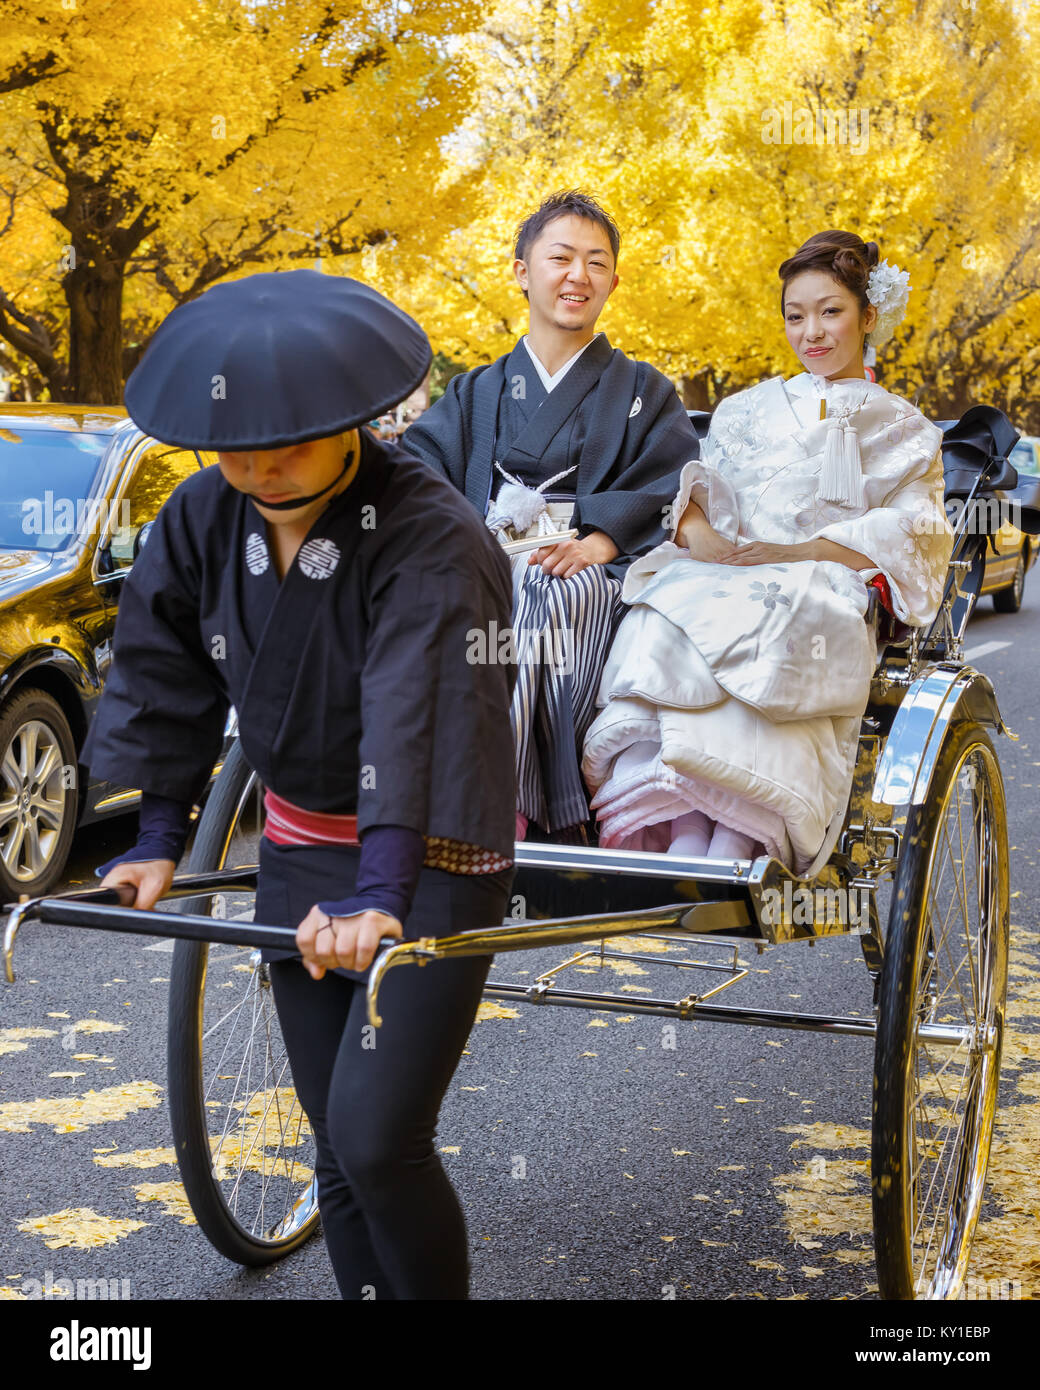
(934, 1033)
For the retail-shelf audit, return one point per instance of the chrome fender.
(943, 696)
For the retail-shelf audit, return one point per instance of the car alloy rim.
(1019, 580)
(32, 800)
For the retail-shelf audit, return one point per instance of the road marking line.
(973, 653)
(167, 945)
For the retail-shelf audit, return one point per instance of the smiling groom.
(562, 433)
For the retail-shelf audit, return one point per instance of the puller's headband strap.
(292, 502)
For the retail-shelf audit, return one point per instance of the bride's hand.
(700, 539)
(762, 553)
(709, 546)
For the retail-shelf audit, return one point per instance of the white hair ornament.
(888, 289)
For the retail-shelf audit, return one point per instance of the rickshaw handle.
(109, 909)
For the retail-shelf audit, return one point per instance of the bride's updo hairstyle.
(843, 255)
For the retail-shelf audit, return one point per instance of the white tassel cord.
(841, 477)
(520, 507)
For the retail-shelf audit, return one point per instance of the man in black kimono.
(328, 585)
(563, 433)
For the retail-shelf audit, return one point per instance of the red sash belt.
(287, 824)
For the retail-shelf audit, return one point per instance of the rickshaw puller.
(326, 584)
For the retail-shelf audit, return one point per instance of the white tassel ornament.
(518, 507)
(841, 477)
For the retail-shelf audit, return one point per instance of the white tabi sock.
(730, 844)
(690, 834)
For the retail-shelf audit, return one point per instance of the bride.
(732, 697)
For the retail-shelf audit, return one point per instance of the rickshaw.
(917, 868)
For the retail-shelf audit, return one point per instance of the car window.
(1023, 457)
(47, 479)
(158, 472)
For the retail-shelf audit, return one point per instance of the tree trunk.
(94, 293)
(695, 391)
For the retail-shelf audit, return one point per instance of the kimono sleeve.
(701, 481)
(908, 537)
(160, 722)
(632, 508)
(436, 750)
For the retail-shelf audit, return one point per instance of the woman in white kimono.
(732, 697)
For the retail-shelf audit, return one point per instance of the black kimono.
(351, 678)
(618, 420)
(617, 431)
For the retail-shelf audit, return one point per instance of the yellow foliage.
(404, 143)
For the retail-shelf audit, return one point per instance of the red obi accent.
(287, 824)
(880, 583)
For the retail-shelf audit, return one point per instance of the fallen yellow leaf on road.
(140, 1158)
(79, 1228)
(489, 1009)
(71, 1113)
(173, 1197)
(13, 1039)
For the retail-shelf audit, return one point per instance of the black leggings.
(392, 1222)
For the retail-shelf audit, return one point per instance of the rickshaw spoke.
(954, 974)
(935, 1125)
(939, 944)
(962, 884)
(940, 1203)
(923, 1206)
(246, 1165)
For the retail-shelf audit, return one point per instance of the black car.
(78, 487)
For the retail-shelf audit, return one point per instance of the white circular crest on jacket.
(637, 406)
(257, 558)
(318, 558)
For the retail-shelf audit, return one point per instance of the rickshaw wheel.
(945, 963)
(245, 1149)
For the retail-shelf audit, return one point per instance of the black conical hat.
(275, 359)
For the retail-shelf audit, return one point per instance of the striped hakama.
(563, 630)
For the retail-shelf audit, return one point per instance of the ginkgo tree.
(150, 151)
(403, 143)
(721, 137)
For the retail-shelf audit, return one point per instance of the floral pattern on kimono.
(738, 690)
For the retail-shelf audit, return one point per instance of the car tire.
(39, 801)
(1009, 600)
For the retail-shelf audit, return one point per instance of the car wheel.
(38, 797)
(1009, 600)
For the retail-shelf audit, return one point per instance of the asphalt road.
(730, 1167)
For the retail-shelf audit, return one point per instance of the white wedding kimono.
(739, 690)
